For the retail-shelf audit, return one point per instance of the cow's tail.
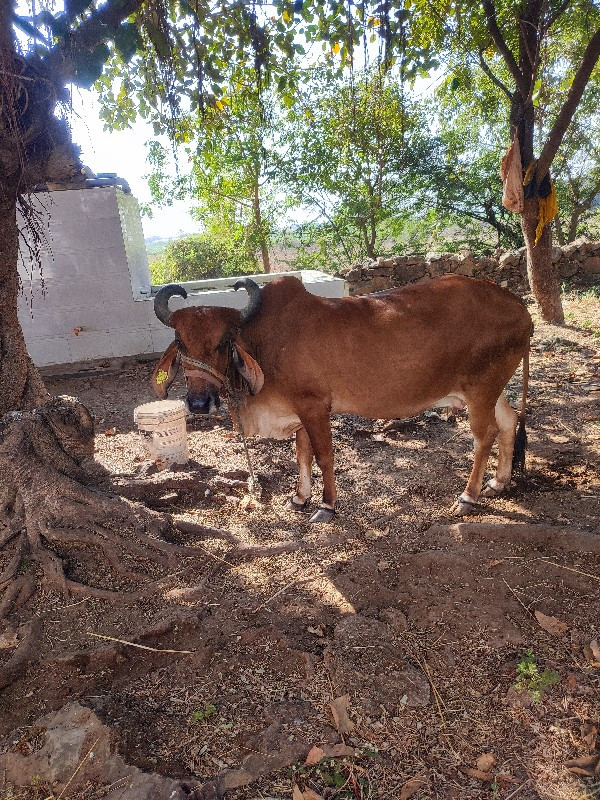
(518, 462)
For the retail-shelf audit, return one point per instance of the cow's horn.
(254, 302)
(161, 301)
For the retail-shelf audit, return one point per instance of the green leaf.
(158, 39)
(74, 8)
(60, 26)
(127, 41)
(89, 65)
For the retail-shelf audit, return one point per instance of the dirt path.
(426, 625)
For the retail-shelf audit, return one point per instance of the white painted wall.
(92, 297)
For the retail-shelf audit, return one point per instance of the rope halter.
(235, 397)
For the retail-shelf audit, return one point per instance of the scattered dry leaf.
(248, 503)
(383, 565)
(339, 709)
(412, 786)
(315, 754)
(589, 733)
(319, 630)
(485, 762)
(308, 794)
(8, 639)
(479, 774)
(585, 765)
(339, 751)
(110, 431)
(495, 562)
(592, 653)
(571, 682)
(552, 625)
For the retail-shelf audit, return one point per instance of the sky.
(124, 152)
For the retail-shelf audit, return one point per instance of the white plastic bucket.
(162, 424)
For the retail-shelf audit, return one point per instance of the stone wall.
(578, 262)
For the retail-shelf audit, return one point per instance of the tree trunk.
(22, 386)
(543, 278)
(264, 249)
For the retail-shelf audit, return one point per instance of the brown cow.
(452, 341)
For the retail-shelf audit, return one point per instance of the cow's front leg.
(304, 456)
(318, 427)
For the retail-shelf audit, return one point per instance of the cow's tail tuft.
(518, 462)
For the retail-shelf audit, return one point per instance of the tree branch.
(94, 30)
(503, 48)
(582, 76)
(496, 81)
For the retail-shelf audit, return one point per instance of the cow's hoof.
(462, 508)
(323, 514)
(293, 505)
(489, 490)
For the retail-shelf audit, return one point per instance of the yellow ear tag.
(161, 376)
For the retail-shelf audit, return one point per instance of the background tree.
(354, 159)
(202, 256)
(507, 41)
(231, 178)
(464, 186)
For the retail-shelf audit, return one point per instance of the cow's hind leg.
(304, 455)
(506, 419)
(317, 424)
(484, 428)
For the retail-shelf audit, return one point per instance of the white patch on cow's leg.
(304, 456)
(317, 424)
(507, 419)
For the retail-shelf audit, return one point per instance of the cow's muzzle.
(207, 401)
(203, 403)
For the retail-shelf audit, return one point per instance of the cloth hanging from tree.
(546, 192)
(511, 173)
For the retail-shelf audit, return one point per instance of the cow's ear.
(248, 369)
(166, 370)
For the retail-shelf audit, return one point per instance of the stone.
(380, 271)
(509, 259)
(410, 271)
(568, 267)
(376, 284)
(65, 754)
(352, 273)
(466, 266)
(591, 265)
(438, 266)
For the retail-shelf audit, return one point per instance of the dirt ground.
(419, 629)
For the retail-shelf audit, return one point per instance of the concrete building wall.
(90, 297)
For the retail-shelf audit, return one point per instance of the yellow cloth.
(548, 210)
(548, 206)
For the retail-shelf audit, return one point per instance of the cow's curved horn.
(161, 301)
(254, 302)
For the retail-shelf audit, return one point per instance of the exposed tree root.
(48, 509)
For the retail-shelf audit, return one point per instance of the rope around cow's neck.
(235, 398)
(234, 401)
